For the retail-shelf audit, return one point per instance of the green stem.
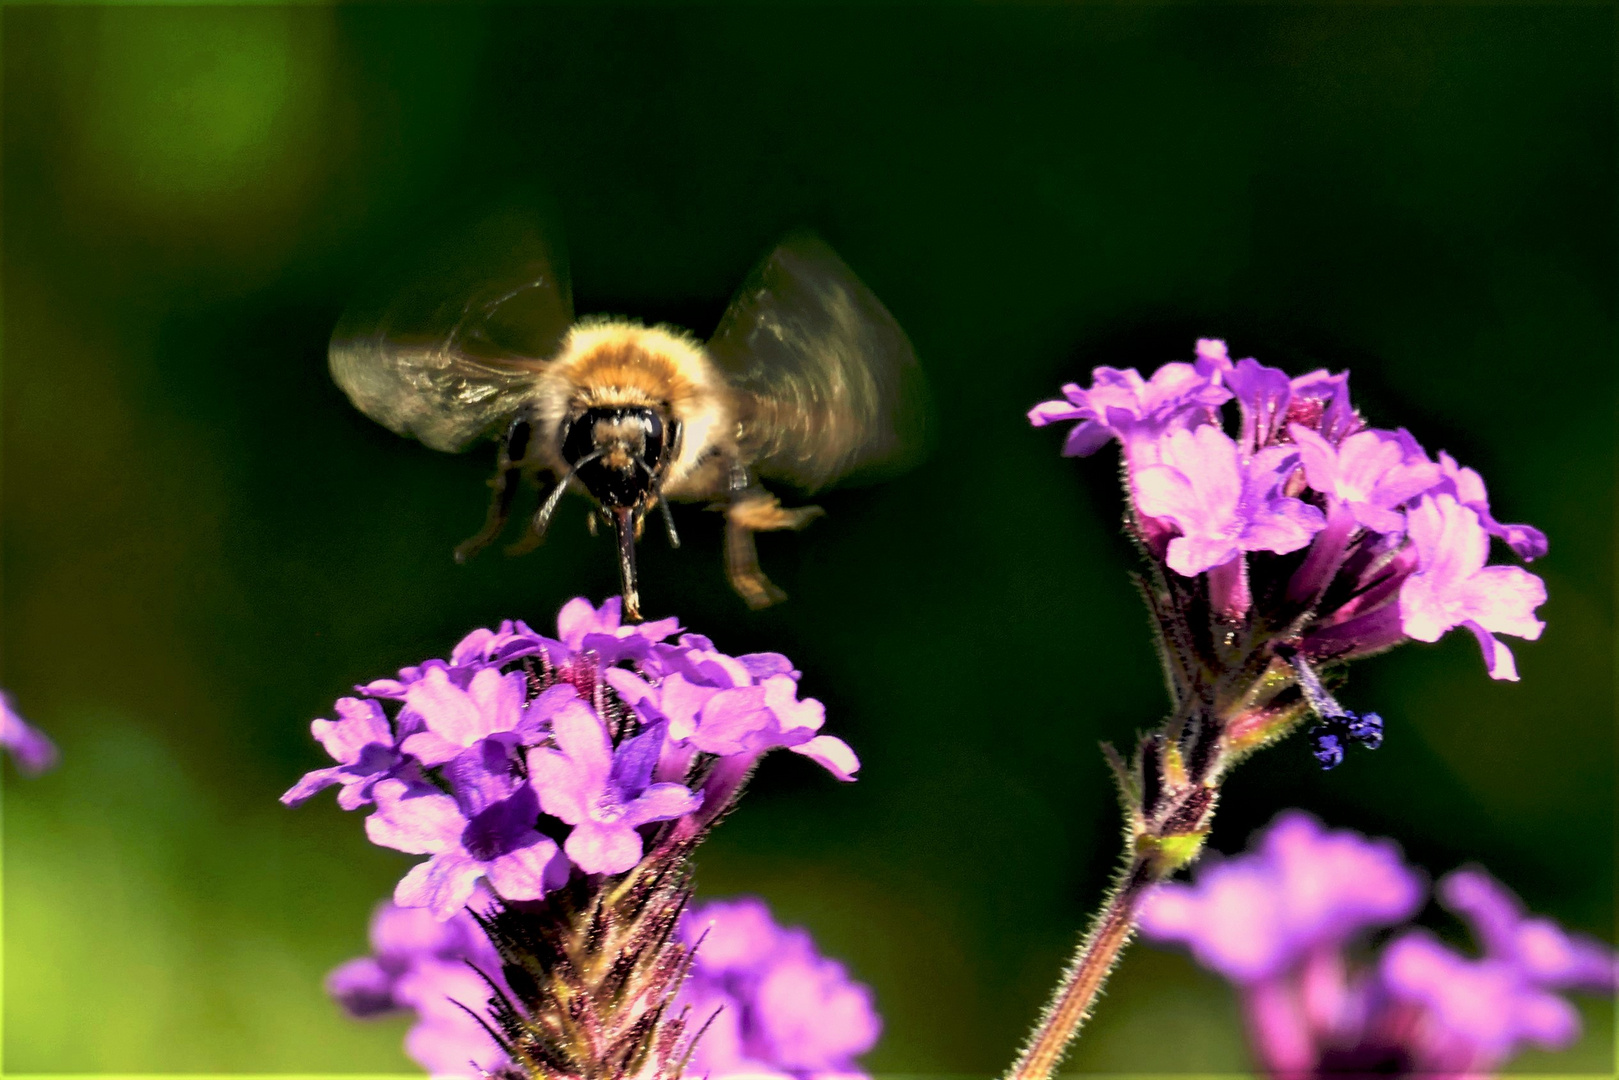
(1098, 952)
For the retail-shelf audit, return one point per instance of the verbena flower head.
(1303, 888)
(1299, 441)
(1284, 534)
(27, 745)
(767, 1002)
(525, 760)
(558, 786)
(421, 965)
(773, 1005)
(1288, 925)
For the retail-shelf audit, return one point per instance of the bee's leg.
(505, 481)
(752, 510)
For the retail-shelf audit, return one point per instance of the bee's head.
(620, 452)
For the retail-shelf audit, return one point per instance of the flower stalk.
(1093, 961)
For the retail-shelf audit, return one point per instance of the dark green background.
(204, 544)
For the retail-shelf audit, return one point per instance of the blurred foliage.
(204, 545)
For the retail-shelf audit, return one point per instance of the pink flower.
(1370, 474)
(1222, 504)
(1452, 587)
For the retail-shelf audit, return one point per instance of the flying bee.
(806, 380)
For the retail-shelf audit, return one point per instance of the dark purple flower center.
(502, 828)
(374, 758)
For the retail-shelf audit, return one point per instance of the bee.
(806, 380)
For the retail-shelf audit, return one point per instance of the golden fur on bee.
(608, 362)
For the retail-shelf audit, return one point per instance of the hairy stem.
(1070, 1005)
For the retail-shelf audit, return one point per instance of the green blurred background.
(204, 544)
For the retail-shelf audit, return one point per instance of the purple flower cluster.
(28, 746)
(773, 1005)
(429, 967)
(1384, 543)
(768, 1003)
(1280, 923)
(523, 760)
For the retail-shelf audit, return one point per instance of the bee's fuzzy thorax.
(606, 362)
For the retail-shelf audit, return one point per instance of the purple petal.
(781, 696)
(558, 786)
(730, 719)
(1320, 459)
(442, 884)
(763, 665)
(32, 751)
(1190, 556)
(635, 691)
(522, 874)
(430, 748)
(1498, 660)
(360, 724)
(832, 753)
(1212, 356)
(1162, 491)
(570, 779)
(474, 648)
(661, 802)
(1053, 412)
(812, 1014)
(1284, 525)
(446, 1040)
(362, 988)
(1086, 439)
(450, 712)
(681, 701)
(312, 784)
(542, 710)
(1528, 542)
(499, 699)
(1262, 395)
(580, 734)
(635, 759)
(417, 820)
(401, 935)
(1504, 599)
(578, 618)
(603, 848)
(481, 776)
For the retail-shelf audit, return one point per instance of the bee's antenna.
(663, 505)
(624, 525)
(668, 521)
(542, 516)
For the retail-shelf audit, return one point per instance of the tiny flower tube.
(1287, 923)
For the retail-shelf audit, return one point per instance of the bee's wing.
(447, 351)
(827, 381)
